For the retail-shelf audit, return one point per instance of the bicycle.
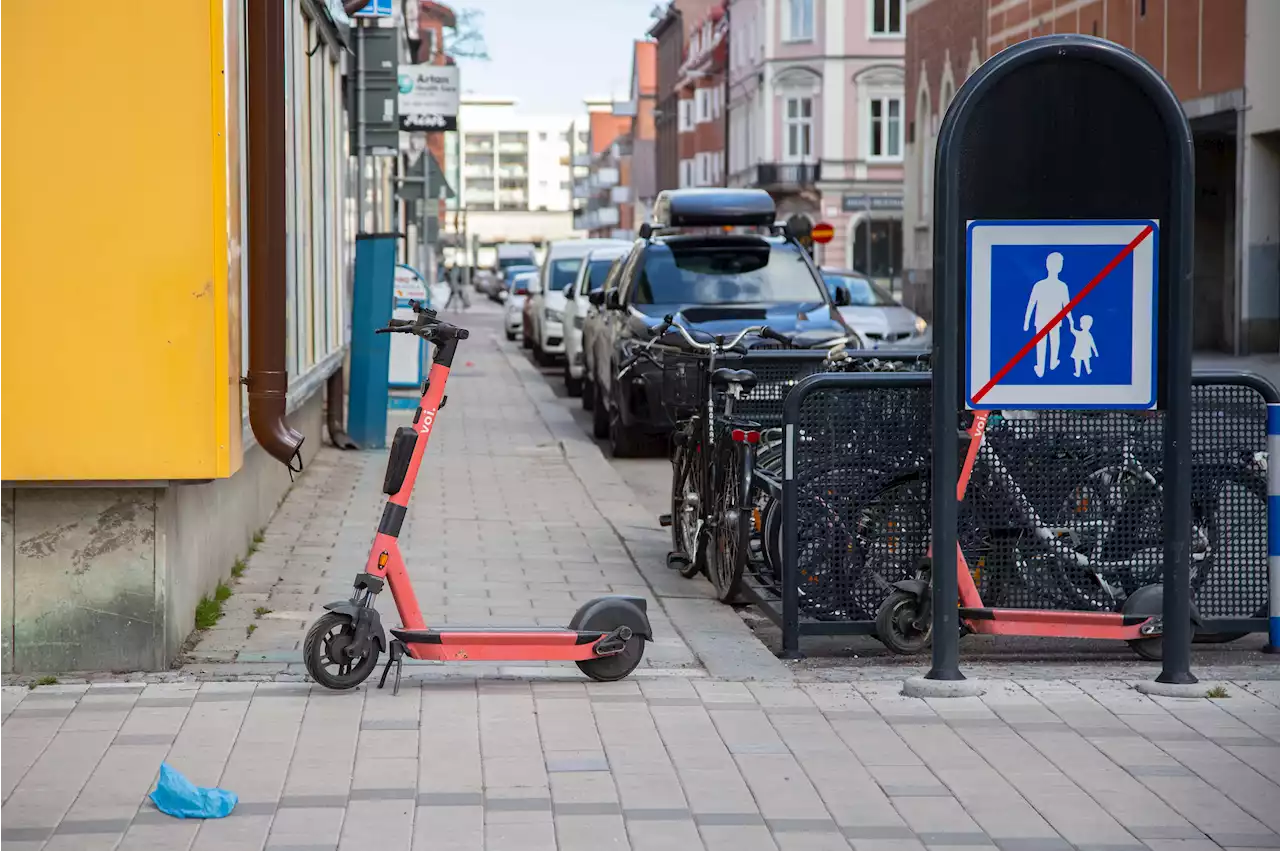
(708, 474)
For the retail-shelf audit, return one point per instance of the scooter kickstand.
(395, 656)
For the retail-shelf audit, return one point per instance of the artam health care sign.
(428, 97)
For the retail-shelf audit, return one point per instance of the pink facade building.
(817, 118)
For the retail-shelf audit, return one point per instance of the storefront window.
(877, 249)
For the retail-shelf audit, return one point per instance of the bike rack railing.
(1254, 422)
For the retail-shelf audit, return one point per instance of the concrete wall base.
(107, 578)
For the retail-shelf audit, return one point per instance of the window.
(886, 128)
(800, 20)
(748, 270)
(877, 247)
(542, 137)
(862, 293)
(886, 17)
(799, 128)
(595, 273)
(565, 137)
(702, 101)
(686, 115)
(686, 173)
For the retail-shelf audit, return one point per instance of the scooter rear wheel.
(606, 669)
(322, 653)
(895, 625)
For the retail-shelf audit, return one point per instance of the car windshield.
(597, 271)
(862, 292)
(521, 269)
(520, 283)
(505, 263)
(725, 272)
(564, 271)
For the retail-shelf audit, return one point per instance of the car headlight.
(552, 315)
(921, 325)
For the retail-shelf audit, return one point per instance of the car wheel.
(588, 392)
(572, 385)
(511, 335)
(624, 442)
(599, 414)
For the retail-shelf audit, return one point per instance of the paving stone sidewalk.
(502, 529)
(650, 764)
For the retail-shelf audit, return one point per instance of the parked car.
(547, 300)
(510, 256)
(598, 266)
(503, 288)
(874, 313)
(513, 313)
(716, 282)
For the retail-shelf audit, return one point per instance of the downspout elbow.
(268, 395)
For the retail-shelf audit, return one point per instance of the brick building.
(671, 32)
(1222, 62)
(700, 89)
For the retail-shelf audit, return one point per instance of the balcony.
(620, 194)
(582, 160)
(581, 190)
(604, 178)
(606, 217)
(779, 177)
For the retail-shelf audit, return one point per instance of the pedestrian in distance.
(457, 291)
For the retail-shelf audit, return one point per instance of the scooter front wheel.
(606, 669)
(323, 652)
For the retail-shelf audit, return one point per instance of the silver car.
(874, 313)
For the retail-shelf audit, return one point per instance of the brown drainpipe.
(268, 379)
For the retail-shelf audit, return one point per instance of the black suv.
(715, 259)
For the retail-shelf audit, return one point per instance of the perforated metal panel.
(1063, 511)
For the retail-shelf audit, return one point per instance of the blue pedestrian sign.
(1061, 314)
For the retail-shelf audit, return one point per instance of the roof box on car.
(676, 208)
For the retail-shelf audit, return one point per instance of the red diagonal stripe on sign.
(1062, 314)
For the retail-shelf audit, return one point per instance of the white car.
(513, 307)
(599, 265)
(559, 270)
(875, 314)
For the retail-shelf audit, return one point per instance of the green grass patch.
(1217, 693)
(248, 631)
(238, 569)
(260, 611)
(47, 680)
(258, 538)
(209, 609)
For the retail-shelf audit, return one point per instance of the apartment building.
(700, 86)
(515, 173)
(616, 193)
(1220, 59)
(816, 118)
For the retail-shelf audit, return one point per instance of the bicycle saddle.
(723, 377)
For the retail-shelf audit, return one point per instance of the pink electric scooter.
(605, 637)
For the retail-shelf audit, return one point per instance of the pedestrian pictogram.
(1061, 314)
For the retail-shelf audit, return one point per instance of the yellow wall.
(114, 359)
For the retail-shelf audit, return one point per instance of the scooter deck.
(500, 644)
(1055, 624)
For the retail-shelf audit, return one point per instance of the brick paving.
(657, 763)
(711, 745)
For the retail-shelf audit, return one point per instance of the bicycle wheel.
(850, 549)
(686, 505)
(730, 517)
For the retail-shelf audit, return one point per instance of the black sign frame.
(1065, 127)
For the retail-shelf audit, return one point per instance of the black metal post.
(946, 392)
(1177, 628)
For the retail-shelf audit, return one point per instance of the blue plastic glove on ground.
(180, 798)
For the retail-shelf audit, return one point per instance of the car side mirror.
(613, 300)
(568, 291)
(596, 297)
(843, 299)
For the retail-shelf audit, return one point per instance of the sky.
(550, 55)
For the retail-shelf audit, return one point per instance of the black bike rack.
(1229, 417)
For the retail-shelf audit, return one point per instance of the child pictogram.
(1084, 349)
